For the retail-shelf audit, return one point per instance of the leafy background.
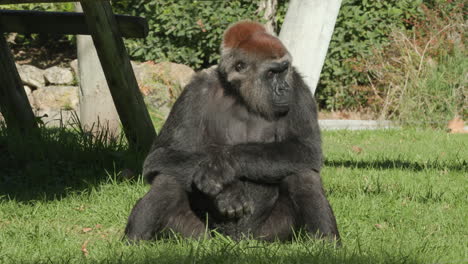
(189, 32)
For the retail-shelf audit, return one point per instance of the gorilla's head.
(257, 67)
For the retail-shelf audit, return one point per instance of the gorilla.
(240, 152)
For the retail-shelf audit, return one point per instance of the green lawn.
(400, 196)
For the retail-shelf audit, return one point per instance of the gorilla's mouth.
(281, 109)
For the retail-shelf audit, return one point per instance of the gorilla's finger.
(213, 188)
(231, 212)
(196, 178)
(223, 211)
(239, 210)
(246, 207)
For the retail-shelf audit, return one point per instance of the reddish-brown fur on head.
(252, 38)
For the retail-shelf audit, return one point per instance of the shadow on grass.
(397, 164)
(59, 161)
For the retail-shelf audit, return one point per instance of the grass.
(400, 196)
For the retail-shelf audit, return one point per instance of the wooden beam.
(14, 103)
(9, 2)
(119, 74)
(65, 23)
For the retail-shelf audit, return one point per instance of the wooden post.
(96, 104)
(306, 32)
(116, 65)
(14, 103)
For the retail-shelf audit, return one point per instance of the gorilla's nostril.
(279, 67)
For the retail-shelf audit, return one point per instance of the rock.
(166, 72)
(56, 97)
(56, 105)
(161, 84)
(31, 76)
(27, 90)
(177, 73)
(57, 118)
(58, 75)
(74, 67)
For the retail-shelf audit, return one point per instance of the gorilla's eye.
(270, 74)
(240, 66)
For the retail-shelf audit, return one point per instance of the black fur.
(243, 170)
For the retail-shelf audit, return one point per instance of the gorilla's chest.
(237, 126)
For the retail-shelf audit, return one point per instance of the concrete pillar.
(306, 32)
(96, 104)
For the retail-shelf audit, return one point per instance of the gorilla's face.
(262, 83)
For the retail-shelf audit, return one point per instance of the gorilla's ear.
(252, 38)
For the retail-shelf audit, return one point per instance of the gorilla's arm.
(175, 151)
(271, 162)
(177, 163)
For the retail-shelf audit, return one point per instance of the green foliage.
(281, 10)
(186, 31)
(361, 25)
(190, 32)
(419, 76)
(57, 7)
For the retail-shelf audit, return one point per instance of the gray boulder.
(28, 92)
(56, 97)
(74, 67)
(58, 75)
(161, 84)
(31, 76)
(56, 104)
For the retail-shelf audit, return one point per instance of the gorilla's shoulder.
(204, 81)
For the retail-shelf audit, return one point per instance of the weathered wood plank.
(7, 2)
(65, 23)
(96, 104)
(14, 103)
(116, 65)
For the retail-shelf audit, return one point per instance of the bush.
(190, 32)
(420, 76)
(361, 26)
(187, 32)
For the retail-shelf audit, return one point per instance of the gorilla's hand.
(214, 173)
(233, 201)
